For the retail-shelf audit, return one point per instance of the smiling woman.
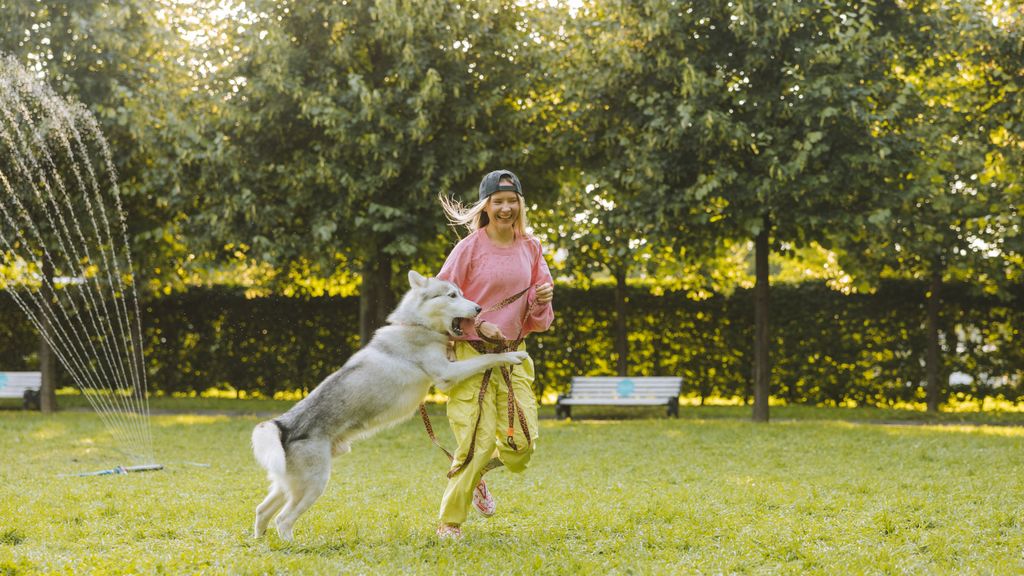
(504, 195)
(502, 268)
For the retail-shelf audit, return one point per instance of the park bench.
(24, 385)
(621, 391)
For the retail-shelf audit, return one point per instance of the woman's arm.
(542, 293)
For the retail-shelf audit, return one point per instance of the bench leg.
(562, 412)
(673, 408)
(31, 400)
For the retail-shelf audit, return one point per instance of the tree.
(107, 56)
(594, 236)
(757, 122)
(614, 85)
(351, 119)
(945, 214)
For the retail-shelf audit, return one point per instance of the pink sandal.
(449, 531)
(483, 501)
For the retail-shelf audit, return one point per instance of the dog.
(380, 385)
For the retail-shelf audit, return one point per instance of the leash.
(430, 432)
(490, 346)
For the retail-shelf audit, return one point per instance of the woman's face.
(503, 209)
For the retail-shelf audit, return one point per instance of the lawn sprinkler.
(121, 470)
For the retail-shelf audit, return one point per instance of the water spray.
(65, 256)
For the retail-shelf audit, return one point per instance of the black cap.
(489, 185)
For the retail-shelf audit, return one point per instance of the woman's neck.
(503, 236)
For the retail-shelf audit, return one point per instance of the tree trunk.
(621, 334)
(47, 359)
(375, 297)
(762, 367)
(933, 361)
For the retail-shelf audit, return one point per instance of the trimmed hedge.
(827, 347)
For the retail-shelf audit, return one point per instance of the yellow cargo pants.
(492, 432)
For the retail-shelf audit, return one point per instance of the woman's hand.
(488, 330)
(545, 292)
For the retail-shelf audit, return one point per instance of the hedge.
(828, 348)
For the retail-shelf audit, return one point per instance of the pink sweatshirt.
(487, 274)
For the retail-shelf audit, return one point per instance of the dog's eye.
(452, 295)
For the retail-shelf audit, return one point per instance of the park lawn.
(646, 496)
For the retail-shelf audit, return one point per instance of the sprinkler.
(121, 470)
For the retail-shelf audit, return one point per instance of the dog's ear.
(416, 280)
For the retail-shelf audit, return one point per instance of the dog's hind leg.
(268, 508)
(306, 484)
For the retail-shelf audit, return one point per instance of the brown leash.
(430, 432)
(490, 346)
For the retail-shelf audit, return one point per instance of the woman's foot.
(449, 532)
(483, 501)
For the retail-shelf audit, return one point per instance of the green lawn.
(708, 493)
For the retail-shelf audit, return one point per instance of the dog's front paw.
(517, 357)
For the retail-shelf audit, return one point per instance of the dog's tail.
(267, 447)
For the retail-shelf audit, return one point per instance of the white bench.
(621, 391)
(24, 385)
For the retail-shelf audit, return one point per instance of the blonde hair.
(474, 217)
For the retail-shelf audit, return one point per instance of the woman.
(496, 261)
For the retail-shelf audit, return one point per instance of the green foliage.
(220, 339)
(948, 203)
(354, 116)
(350, 119)
(731, 120)
(829, 348)
(716, 114)
(642, 496)
(126, 62)
(314, 137)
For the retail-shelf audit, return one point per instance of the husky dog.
(380, 385)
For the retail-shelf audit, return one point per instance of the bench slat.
(14, 384)
(623, 391)
(649, 389)
(577, 382)
(637, 380)
(613, 398)
(614, 401)
(614, 383)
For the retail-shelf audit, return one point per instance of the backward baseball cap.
(490, 184)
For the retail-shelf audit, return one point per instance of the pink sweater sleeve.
(542, 315)
(457, 268)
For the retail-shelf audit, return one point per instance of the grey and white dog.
(381, 384)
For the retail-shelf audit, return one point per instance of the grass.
(708, 493)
